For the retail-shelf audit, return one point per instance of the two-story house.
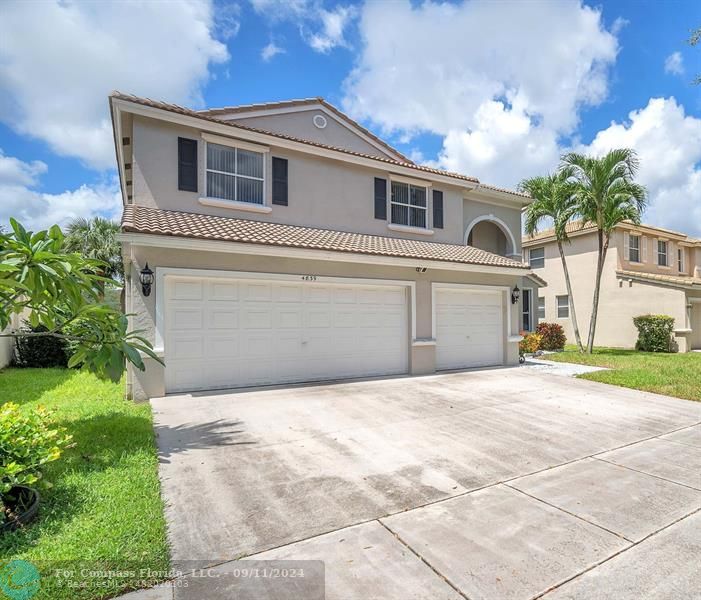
(648, 270)
(289, 244)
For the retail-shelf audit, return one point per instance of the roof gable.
(297, 118)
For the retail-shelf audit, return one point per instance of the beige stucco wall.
(322, 193)
(695, 337)
(620, 300)
(421, 359)
(300, 125)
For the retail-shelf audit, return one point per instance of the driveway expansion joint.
(422, 559)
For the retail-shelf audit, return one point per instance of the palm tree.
(606, 195)
(553, 198)
(97, 238)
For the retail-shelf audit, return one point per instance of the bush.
(530, 343)
(27, 441)
(553, 336)
(654, 333)
(40, 352)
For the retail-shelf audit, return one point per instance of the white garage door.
(223, 333)
(469, 328)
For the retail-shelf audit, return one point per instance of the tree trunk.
(603, 247)
(577, 337)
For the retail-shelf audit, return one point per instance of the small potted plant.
(28, 441)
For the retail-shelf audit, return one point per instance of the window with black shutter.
(187, 165)
(380, 198)
(280, 181)
(437, 209)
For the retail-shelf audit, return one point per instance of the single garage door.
(222, 333)
(469, 328)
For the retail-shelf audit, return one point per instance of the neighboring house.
(290, 244)
(648, 270)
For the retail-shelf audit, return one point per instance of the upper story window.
(662, 253)
(235, 174)
(541, 308)
(536, 257)
(634, 248)
(408, 205)
(680, 260)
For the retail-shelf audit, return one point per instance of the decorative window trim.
(390, 203)
(538, 308)
(681, 260)
(410, 229)
(207, 200)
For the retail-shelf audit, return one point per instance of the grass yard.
(670, 374)
(104, 510)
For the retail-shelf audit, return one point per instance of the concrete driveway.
(497, 484)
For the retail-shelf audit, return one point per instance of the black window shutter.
(280, 181)
(437, 209)
(187, 165)
(380, 198)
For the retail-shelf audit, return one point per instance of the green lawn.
(104, 508)
(671, 374)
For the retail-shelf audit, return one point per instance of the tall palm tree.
(97, 238)
(606, 195)
(554, 198)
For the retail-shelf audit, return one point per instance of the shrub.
(553, 336)
(40, 352)
(654, 333)
(27, 441)
(530, 343)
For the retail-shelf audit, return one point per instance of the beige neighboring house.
(648, 270)
(290, 244)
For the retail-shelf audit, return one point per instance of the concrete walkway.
(499, 484)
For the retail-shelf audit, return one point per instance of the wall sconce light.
(515, 295)
(146, 279)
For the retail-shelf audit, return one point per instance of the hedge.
(654, 333)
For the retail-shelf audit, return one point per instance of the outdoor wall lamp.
(146, 279)
(515, 295)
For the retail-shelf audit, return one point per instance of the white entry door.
(469, 328)
(221, 332)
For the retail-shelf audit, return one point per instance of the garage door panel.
(186, 290)
(231, 333)
(187, 347)
(184, 319)
(469, 328)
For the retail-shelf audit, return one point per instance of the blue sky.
(497, 90)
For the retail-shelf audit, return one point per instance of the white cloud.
(500, 81)
(322, 29)
(60, 59)
(19, 197)
(674, 64)
(333, 26)
(668, 143)
(271, 51)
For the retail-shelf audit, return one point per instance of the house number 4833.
(308, 277)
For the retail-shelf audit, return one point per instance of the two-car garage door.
(222, 332)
